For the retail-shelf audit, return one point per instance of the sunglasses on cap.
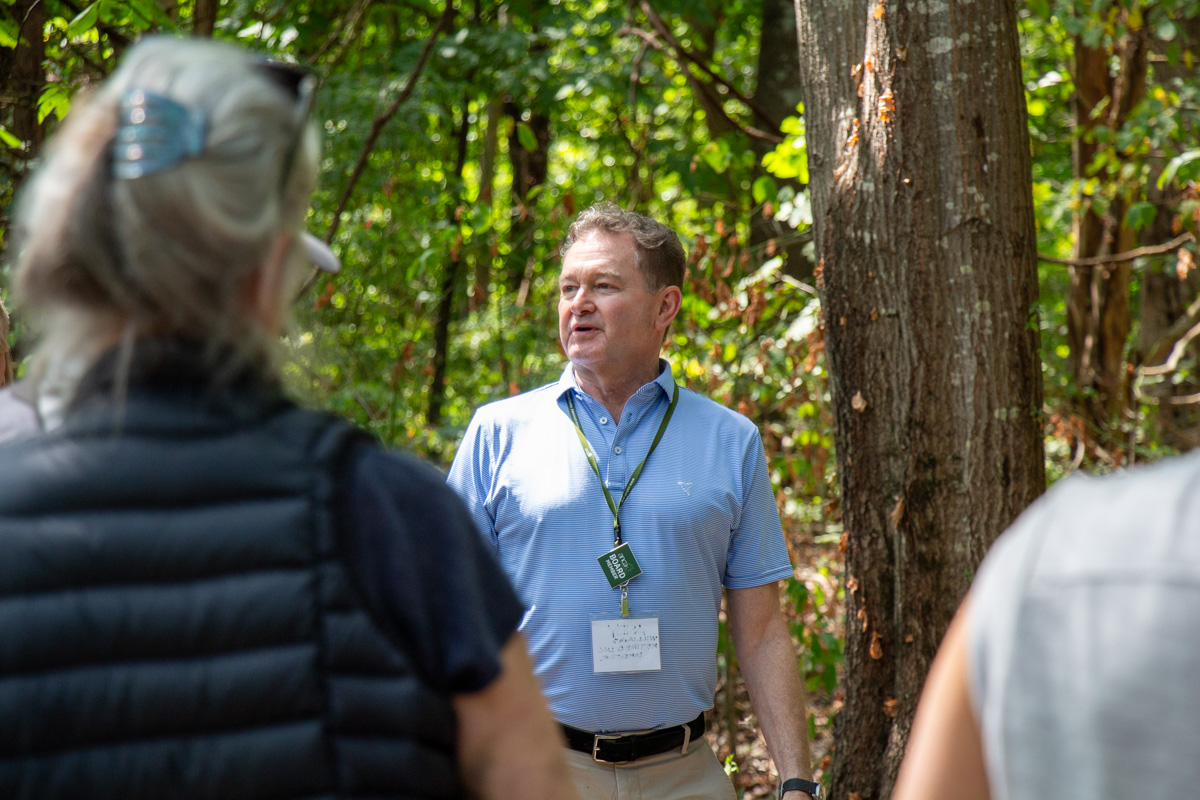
(155, 133)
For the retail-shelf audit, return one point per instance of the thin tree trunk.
(926, 244)
(529, 170)
(1098, 314)
(204, 18)
(487, 181)
(1165, 294)
(445, 310)
(7, 367)
(777, 92)
(28, 76)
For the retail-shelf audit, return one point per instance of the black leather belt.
(619, 748)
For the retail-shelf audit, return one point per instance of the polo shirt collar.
(665, 381)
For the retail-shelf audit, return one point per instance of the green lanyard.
(615, 506)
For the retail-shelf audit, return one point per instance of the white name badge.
(625, 644)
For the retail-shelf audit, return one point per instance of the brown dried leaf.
(1185, 263)
(857, 402)
(844, 541)
(876, 646)
(879, 10)
(874, 315)
(889, 707)
(852, 584)
(866, 623)
(908, 639)
(897, 512)
(854, 796)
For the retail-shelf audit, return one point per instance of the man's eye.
(565, 290)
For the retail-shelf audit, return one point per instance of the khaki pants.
(696, 775)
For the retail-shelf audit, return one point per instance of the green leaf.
(764, 189)
(54, 100)
(9, 32)
(1140, 215)
(1183, 166)
(84, 21)
(8, 138)
(1037, 107)
(717, 155)
(527, 137)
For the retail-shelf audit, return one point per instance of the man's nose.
(582, 301)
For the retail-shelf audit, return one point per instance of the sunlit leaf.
(1140, 215)
(84, 21)
(1182, 166)
(527, 137)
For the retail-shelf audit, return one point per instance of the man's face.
(608, 319)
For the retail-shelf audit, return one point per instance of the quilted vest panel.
(176, 620)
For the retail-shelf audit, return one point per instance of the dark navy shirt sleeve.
(427, 571)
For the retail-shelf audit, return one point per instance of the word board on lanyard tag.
(619, 565)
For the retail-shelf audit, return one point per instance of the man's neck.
(613, 392)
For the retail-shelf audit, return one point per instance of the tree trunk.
(204, 18)
(487, 180)
(1098, 317)
(7, 367)
(926, 245)
(777, 92)
(28, 76)
(445, 309)
(529, 170)
(1166, 295)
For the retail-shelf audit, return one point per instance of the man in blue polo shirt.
(619, 504)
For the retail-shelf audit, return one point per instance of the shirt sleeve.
(757, 552)
(470, 477)
(425, 567)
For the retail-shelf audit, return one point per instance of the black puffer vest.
(176, 617)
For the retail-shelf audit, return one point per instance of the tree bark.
(926, 249)
(7, 367)
(27, 75)
(1166, 295)
(204, 18)
(529, 170)
(1098, 315)
(777, 92)
(445, 309)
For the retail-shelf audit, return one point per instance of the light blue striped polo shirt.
(702, 514)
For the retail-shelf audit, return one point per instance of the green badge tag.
(619, 565)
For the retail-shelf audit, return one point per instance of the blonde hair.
(170, 252)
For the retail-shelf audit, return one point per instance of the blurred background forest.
(460, 140)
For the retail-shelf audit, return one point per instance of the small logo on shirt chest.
(687, 487)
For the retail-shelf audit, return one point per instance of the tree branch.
(383, 119)
(687, 55)
(1128, 255)
(349, 21)
(749, 130)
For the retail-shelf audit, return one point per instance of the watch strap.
(811, 788)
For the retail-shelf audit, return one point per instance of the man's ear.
(264, 287)
(668, 306)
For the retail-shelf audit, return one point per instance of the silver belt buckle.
(599, 737)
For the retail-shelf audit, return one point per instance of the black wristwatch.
(811, 788)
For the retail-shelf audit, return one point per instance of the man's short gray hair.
(169, 252)
(659, 253)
